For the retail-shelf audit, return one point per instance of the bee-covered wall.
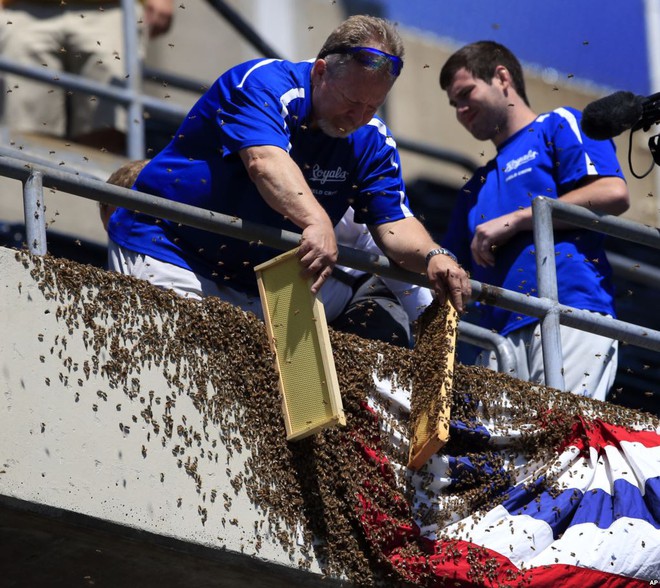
(127, 404)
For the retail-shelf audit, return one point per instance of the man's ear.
(318, 69)
(503, 76)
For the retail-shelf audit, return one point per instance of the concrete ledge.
(45, 547)
(100, 423)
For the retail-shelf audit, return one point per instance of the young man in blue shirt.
(491, 227)
(290, 145)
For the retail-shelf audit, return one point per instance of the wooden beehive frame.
(298, 335)
(429, 437)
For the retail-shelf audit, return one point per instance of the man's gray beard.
(331, 130)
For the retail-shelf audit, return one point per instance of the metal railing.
(544, 209)
(547, 309)
(36, 237)
(129, 94)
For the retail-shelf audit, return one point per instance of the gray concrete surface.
(75, 444)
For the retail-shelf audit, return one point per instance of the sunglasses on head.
(370, 58)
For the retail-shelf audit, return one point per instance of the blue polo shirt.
(261, 102)
(549, 157)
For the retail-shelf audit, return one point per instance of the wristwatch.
(440, 251)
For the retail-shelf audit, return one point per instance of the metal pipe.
(485, 338)
(235, 227)
(572, 317)
(553, 360)
(604, 223)
(34, 211)
(172, 79)
(135, 134)
(30, 161)
(546, 275)
(73, 82)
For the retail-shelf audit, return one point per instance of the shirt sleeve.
(578, 156)
(249, 117)
(382, 194)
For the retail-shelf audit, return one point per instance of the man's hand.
(318, 253)
(158, 16)
(492, 234)
(406, 242)
(282, 185)
(449, 281)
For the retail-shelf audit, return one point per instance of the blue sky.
(601, 41)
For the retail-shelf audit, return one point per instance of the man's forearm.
(282, 185)
(406, 242)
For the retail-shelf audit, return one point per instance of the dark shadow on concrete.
(43, 547)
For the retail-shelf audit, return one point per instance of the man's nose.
(462, 110)
(357, 116)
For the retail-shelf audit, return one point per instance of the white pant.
(334, 294)
(171, 277)
(589, 361)
(191, 285)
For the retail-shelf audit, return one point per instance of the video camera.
(610, 116)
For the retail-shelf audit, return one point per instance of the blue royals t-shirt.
(547, 158)
(261, 102)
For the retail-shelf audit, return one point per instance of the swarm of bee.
(329, 485)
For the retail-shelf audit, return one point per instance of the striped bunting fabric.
(587, 514)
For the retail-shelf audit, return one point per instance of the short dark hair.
(481, 60)
(126, 175)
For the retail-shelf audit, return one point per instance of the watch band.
(440, 251)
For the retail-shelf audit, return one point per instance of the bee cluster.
(432, 349)
(329, 485)
(535, 419)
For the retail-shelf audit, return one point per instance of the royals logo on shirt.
(325, 182)
(323, 176)
(512, 168)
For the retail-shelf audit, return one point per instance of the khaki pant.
(76, 38)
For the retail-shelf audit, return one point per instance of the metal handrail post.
(485, 338)
(35, 215)
(135, 133)
(546, 273)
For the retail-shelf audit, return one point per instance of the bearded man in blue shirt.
(290, 145)
(491, 227)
